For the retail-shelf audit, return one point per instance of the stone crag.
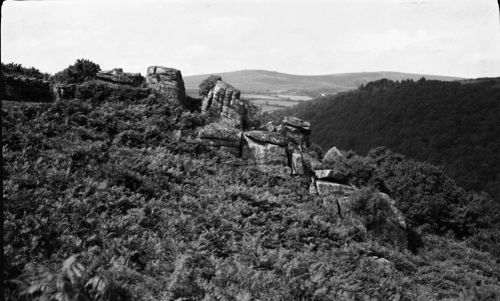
(167, 82)
(117, 76)
(284, 147)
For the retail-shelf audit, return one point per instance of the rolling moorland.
(108, 195)
(275, 82)
(455, 125)
(274, 90)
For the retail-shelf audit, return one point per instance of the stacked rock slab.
(223, 101)
(221, 136)
(265, 148)
(117, 76)
(167, 82)
(296, 130)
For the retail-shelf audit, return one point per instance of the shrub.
(82, 70)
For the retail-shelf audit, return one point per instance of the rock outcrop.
(167, 82)
(117, 76)
(297, 130)
(223, 102)
(221, 136)
(284, 148)
(265, 148)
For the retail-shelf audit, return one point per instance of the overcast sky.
(443, 37)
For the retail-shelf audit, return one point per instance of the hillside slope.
(450, 124)
(110, 197)
(271, 81)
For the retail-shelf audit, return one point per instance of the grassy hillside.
(103, 201)
(275, 82)
(450, 124)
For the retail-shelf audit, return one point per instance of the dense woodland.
(455, 125)
(103, 201)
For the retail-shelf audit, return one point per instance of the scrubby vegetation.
(24, 84)
(451, 124)
(104, 200)
(82, 70)
(17, 70)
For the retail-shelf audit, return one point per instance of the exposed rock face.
(219, 135)
(265, 148)
(311, 163)
(329, 175)
(267, 137)
(296, 130)
(167, 81)
(296, 162)
(397, 216)
(223, 101)
(117, 76)
(332, 155)
(329, 188)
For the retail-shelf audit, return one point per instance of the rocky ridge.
(274, 147)
(285, 147)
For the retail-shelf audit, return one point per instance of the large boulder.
(296, 130)
(265, 148)
(223, 101)
(329, 188)
(331, 175)
(310, 163)
(167, 81)
(221, 136)
(267, 137)
(117, 76)
(378, 214)
(332, 155)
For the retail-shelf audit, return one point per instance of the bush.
(82, 70)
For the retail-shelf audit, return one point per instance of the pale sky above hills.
(444, 37)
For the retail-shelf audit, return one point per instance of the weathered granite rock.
(297, 123)
(264, 153)
(220, 131)
(332, 155)
(167, 81)
(296, 130)
(396, 216)
(223, 101)
(117, 76)
(311, 163)
(391, 228)
(296, 162)
(312, 186)
(331, 175)
(221, 136)
(294, 134)
(271, 127)
(267, 137)
(326, 188)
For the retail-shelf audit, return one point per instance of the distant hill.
(452, 124)
(275, 82)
